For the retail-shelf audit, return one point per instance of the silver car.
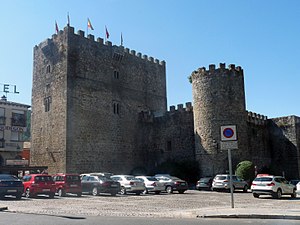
(129, 184)
(221, 182)
(152, 184)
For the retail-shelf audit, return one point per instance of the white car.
(276, 186)
(129, 184)
(152, 184)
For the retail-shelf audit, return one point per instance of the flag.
(68, 20)
(107, 34)
(121, 39)
(56, 27)
(90, 25)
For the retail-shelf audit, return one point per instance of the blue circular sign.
(228, 132)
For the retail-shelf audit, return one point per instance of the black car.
(172, 183)
(99, 184)
(204, 183)
(10, 185)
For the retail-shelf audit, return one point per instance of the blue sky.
(263, 37)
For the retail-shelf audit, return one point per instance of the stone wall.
(219, 100)
(48, 126)
(284, 141)
(100, 90)
(167, 137)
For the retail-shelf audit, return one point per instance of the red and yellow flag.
(90, 24)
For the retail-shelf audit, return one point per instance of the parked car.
(297, 184)
(151, 184)
(67, 183)
(95, 185)
(222, 182)
(172, 183)
(105, 174)
(276, 186)
(205, 183)
(129, 183)
(35, 184)
(10, 185)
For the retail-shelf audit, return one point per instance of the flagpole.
(87, 27)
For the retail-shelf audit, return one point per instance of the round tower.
(219, 100)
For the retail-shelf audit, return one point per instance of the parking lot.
(150, 205)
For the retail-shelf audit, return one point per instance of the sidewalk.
(255, 213)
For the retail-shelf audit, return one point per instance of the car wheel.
(255, 195)
(95, 191)
(245, 189)
(113, 193)
(181, 191)
(277, 194)
(123, 191)
(51, 195)
(19, 196)
(169, 189)
(157, 192)
(294, 195)
(79, 194)
(2, 196)
(27, 193)
(61, 192)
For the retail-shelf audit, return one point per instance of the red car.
(35, 184)
(67, 183)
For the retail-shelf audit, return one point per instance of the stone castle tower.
(219, 100)
(86, 100)
(101, 107)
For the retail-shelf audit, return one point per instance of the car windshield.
(204, 179)
(8, 177)
(221, 178)
(43, 178)
(72, 178)
(263, 179)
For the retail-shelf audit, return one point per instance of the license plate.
(73, 185)
(113, 185)
(182, 184)
(11, 191)
(46, 190)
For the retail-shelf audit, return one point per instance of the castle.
(101, 107)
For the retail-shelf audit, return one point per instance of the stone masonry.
(102, 107)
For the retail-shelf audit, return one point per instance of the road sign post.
(228, 142)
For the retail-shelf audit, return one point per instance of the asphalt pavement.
(265, 208)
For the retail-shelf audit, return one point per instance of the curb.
(253, 216)
(3, 208)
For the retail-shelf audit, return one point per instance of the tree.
(245, 170)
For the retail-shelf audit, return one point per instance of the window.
(116, 108)
(169, 146)
(48, 69)
(2, 116)
(47, 103)
(116, 74)
(18, 118)
(117, 57)
(2, 141)
(16, 136)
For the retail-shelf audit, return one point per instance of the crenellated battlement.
(212, 70)
(120, 49)
(180, 108)
(256, 119)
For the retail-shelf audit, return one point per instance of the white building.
(12, 127)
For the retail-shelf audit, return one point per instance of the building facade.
(101, 107)
(12, 128)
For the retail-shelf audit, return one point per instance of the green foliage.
(190, 79)
(245, 170)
